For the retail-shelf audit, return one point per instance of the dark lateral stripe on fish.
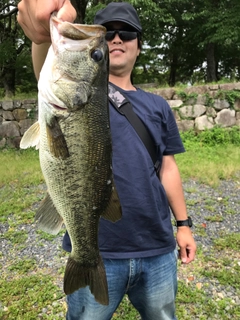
(78, 276)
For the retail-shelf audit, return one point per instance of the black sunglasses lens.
(110, 35)
(123, 35)
(127, 35)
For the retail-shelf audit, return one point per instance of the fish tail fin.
(78, 276)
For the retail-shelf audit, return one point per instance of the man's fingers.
(34, 15)
(183, 255)
(67, 12)
(186, 255)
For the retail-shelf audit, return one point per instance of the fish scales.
(74, 141)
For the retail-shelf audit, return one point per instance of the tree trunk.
(211, 63)
(8, 79)
(80, 7)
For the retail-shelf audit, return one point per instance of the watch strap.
(182, 223)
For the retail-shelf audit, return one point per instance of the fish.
(75, 149)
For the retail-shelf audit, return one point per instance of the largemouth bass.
(73, 137)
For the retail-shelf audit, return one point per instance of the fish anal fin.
(56, 141)
(79, 276)
(31, 137)
(47, 217)
(113, 212)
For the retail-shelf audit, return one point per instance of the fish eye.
(97, 55)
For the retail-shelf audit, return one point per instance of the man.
(139, 251)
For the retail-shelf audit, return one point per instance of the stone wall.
(15, 118)
(204, 107)
(195, 108)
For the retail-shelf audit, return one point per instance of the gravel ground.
(203, 203)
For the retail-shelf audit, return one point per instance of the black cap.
(119, 11)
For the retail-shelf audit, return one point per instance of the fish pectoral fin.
(47, 217)
(79, 276)
(31, 137)
(113, 211)
(56, 140)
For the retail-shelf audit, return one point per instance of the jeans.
(150, 283)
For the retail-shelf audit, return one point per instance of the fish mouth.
(59, 111)
(57, 107)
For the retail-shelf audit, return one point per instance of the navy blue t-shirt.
(145, 228)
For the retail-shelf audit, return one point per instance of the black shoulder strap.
(123, 106)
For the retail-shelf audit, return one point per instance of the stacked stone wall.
(16, 117)
(203, 107)
(196, 108)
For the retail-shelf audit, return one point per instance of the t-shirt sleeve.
(174, 143)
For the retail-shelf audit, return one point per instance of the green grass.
(24, 297)
(19, 168)
(19, 184)
(210, 156)
(230, 241)
(26, 289)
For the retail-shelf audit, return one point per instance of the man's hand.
(186, 244)
(34, 16)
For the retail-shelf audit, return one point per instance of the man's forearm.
(171, 181)
(39, 53)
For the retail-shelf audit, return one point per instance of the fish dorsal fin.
(113, 211)
(47, 217)
(31, 137)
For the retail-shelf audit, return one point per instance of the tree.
(10, 46)
(183, 41)
(80, 6)
(217, 28)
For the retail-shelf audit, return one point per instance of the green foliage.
(26, 296)
(15, 52)
(209, 100)
(46, 236)
(230, 241)
(16, 237)
(216, 153)
(22, 265)
(213, 137)
(230, 95)
(176, 37)
(224, 276)
(19, 178)
(187, 97)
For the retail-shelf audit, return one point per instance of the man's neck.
(122, 82)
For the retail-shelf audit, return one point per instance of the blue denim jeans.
(150, 283)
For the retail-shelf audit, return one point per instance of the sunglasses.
(123, 35)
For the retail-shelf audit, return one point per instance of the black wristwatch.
(182, 223)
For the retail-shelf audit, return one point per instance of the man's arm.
(34, 16)
(171, 180)
(39, 53)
